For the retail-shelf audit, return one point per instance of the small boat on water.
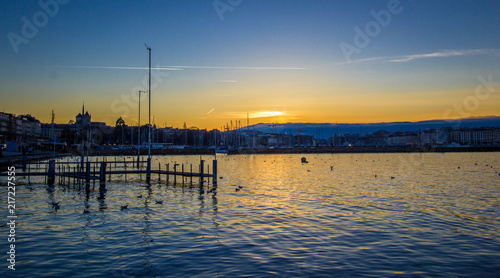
(221, 150)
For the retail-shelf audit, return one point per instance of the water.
(289, 220)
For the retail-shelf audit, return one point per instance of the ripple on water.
(289, 220)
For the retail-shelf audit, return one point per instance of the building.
(31, 128)
(403, 139)
(83, 120)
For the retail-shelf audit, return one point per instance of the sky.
(269, 61)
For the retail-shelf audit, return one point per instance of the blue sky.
(278, 61)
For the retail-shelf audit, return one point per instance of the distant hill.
(326, 130)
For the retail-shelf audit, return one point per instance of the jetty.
(87, 171)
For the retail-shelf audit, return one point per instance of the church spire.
(83, 108)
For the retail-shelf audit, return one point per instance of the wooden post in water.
(148, 174)
(125, 167)
(191, 175)
(202, 168)
(182, 173)
(168, 169)
(87, 174)
(159, 172)
(175, 172)
(93, 181)
(214, 173)
(51, 173)
(102, 176)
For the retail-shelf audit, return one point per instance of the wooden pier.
(66, 172)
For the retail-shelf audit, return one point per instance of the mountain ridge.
(326, 130)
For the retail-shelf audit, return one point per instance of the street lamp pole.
(139, 132)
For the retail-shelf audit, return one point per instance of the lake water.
(343, 215)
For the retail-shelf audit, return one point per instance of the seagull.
(124, 207)
(331, 168)
(56, 206)
(375, 175)
(392, 178)
(159, 202)
(236, 189)
(140, 196)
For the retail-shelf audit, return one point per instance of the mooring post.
(175, 172)
(87, 176)
(125, 167)
(191, 175)
(102, 176)
(202, 168)
(159, 171)
(29, 167)
(51, 173)
(168, 169)
(182, 173)
(148, 174)
(214, 173)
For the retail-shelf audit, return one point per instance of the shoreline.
(16, 159)
(363, 149)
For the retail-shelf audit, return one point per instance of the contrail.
(181, 68)
(119, 68)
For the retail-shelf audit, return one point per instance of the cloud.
(446, 53)
(255, 114)
(437, 54)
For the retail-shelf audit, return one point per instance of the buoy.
(303, 160)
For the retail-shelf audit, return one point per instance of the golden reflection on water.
(355, 211)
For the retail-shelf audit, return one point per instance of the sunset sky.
(276, 60)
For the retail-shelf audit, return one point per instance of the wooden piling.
(87, 174)
(148, 174)
(168, 175)
(102, 176)
(51, 173)
(202, 168)
(175, 172)
(214, 172)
